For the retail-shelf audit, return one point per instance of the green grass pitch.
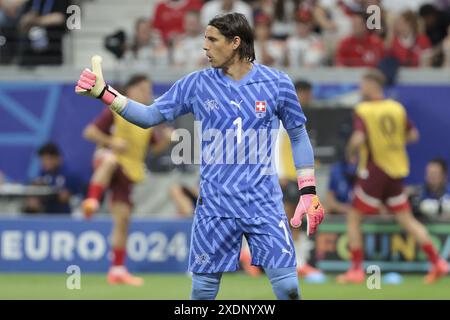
(233, 286)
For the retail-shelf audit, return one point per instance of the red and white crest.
(260, 106)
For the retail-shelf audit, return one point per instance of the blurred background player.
(380, 134)
(341, 180)
(55, 174)
(119, 164)
(432, 200)
(185, 198)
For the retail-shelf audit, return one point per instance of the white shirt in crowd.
(188, 51)
(305, 52)
(213, 8)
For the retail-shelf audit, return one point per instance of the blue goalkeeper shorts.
(216, 243)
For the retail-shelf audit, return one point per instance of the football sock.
(95, 191)
(205, 286)
(284, 283)
(431, 252)
(357, 258)
(118, 256)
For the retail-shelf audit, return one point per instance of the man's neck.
(377, 96)
(437, 190)
(238, 69)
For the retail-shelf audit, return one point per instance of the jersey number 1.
(238, 124)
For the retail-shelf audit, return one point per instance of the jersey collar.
(238, 83)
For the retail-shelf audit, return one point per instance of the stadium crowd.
(289, 33)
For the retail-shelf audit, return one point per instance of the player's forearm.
(302, 150)
(141, 115)
(357, 139)
(333, 205)
(93, 134)
(52, 19)
(412, 135)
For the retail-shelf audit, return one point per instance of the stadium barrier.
(52, 244)
(386, 245)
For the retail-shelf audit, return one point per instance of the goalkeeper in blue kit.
(237, 102)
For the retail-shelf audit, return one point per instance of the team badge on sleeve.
(260, 109)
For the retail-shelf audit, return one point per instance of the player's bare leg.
(118, 274)
(439, 266)
(356, 273)
(106, 165)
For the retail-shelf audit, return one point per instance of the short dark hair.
(441, 162)
(302, 85)
(49, 149)
(135, 79)
(428, 10)
(236, 25)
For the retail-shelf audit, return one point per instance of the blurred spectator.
(147, 47)
(168, 17)
(283, 16)
(436, 28)
(268, 51)
(362, 48)
(334, 20)
(10, 11)
(446, 50)
(215, 7)
(304, 92)
(387, 18)
(409, 46)
(433, 198)
(54, 174)
(41, 29)
(340, 186)
(188, 48)
(399, 6)
(436, 22)
(305, 48)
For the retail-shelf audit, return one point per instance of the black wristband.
(103, 92)
(308, 190)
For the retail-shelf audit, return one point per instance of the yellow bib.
(385, 123)
(132, 160)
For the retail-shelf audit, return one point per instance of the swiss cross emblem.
(260, 108)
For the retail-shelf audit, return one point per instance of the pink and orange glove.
(308, 205)
(92, 84)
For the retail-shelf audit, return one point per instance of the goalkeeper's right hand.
(91, 84)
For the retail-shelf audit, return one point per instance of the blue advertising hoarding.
(51, 244)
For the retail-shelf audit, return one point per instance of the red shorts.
(377, 188)
(121, 186)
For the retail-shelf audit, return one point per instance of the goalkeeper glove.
(308, 204)
(91, 84)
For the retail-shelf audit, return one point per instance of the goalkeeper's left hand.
(92, 84)
(309, 205)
